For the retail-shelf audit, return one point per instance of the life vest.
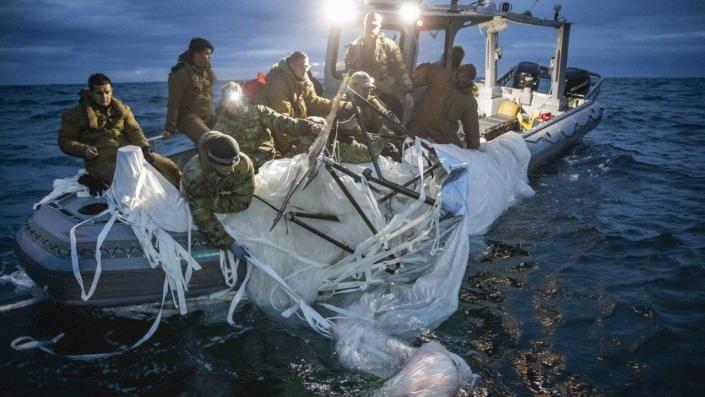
(252, 87)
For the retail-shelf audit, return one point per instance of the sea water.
(594, 286)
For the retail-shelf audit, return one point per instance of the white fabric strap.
(238, 296)
(28, 343)
(74, 258)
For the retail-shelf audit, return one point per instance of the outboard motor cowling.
(527, 74)
(577, 82)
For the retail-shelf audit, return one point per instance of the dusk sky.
(64, 41)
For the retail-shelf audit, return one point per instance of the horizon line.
(240, 80)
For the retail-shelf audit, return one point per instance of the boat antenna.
(557, 9)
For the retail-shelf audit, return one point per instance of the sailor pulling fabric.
(209, 192)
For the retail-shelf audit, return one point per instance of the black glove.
(95, 185)
(148, 155)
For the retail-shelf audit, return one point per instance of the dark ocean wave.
(636, 163)
(63, 102)
(43, 116)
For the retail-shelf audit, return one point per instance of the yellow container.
(508, 108)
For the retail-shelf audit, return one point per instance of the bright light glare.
(340, 11)
(409, 12)
(234, 96)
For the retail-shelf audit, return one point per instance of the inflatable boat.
(550, 107)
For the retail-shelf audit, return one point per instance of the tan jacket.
(190, 91)
(106, 129)
(443, 108)
(384, 63)
(286, 94)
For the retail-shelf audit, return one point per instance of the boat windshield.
(431, 44)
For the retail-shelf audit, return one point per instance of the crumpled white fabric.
(492, 179)
(295, 268)
(63, 186)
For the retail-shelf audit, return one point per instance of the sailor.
(456, 58)
(219, 179)
(190, 108)
(351, 148)
(447, 104)
(253, 125)
(290, 92)
(380, 57)
(97, 126)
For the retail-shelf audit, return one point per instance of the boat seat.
(493, 126)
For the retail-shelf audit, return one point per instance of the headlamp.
(234, 96)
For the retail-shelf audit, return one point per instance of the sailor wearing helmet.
(351, 148)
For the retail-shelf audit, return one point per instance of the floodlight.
(409, 12)
(340, 11)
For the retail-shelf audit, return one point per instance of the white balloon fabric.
(405, 272)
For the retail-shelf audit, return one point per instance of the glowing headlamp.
(234, 96)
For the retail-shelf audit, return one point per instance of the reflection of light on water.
(19, 279)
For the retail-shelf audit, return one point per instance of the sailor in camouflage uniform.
(351, 149)
(100, 124)
(220, 179)
(190, 107)
(381, 58)
(253, 126)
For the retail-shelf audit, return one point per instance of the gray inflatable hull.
(42, 243)
(43, 247)
(549, 140)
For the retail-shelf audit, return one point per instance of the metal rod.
(388, 118)
(329, 167)
(320, 234)
(266, 202)
(398, 188)
(366, 139)
(409, 182)
(323, 217)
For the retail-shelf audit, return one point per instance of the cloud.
(63, 41)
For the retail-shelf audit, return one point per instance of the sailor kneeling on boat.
(219, 179)
(100, 124)
(253, 126)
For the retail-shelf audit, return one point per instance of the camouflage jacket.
(256, 128)
(373, 121)
(190, 91)
(384, 63)
(106, 129)
(443, 108)
(356, 152)
(286, 94)
(208, 192)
